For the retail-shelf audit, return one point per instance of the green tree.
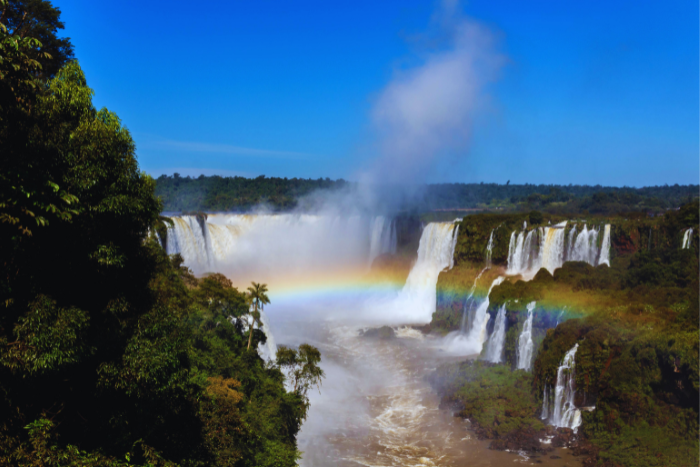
(302, 367)
(258, 297)
(40, 20)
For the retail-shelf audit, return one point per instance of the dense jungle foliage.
(217, 193)
(636, 323)
(111, 352)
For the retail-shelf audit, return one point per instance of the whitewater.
(375, 407)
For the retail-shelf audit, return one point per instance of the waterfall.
(477, 334)
(553, 247)
(570, 243)
(528, 257)
(687, 239)
(278, 244)
(564, 412)
(525, 344)
(550, 247)
(187, 238)
(545, 403)
(470, 339)
(418, 297)
(469, 303)
(494, 346)
(382, 237)
(585, 246)
(489, 249)
(267, 351)
(455, 237)
(605, 247)
(515, 253)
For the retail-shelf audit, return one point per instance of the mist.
(317, 258)
(425, 114)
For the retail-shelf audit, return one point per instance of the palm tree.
(259, 298)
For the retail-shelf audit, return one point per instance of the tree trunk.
(250, 333)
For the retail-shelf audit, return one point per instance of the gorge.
(374, 408)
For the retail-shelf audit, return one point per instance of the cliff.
(635, 322)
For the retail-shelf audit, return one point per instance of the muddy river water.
(375, 407)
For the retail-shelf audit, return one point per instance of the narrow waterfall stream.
(525, 344)
(494, 346)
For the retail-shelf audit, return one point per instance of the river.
(375, 407)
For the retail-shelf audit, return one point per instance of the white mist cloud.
(426, 112)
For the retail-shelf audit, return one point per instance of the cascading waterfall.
(515, 253)
(187, 238)
(585, 246)
(470, 339)
(525, 344)
(477, 334)
(553, 247)
(687, 239)
(605, 247)
(530, 257)
(418, 297)
(550, 247)
(489, 249)
(563, 412)
(382, 237)
(496, 342)
(469, 304)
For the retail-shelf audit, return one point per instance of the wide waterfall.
(525, 344)
(562, 409)
(418, 298)
(496, 342)
(687, 239)
(257, 245)
(549, 247)
(382, 237)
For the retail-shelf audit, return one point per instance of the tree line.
(216, 193)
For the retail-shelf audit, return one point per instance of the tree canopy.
(111, 352)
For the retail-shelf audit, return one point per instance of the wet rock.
(563, 437)
(527, 440)
(384, 333)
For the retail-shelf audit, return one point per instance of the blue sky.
(575, 92)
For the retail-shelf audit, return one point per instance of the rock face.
(384, 333)
(527, 440)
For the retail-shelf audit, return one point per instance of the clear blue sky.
(599, 92)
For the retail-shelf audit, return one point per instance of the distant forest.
(282, 194)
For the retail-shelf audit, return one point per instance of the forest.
(111, 352)
(240, 194)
